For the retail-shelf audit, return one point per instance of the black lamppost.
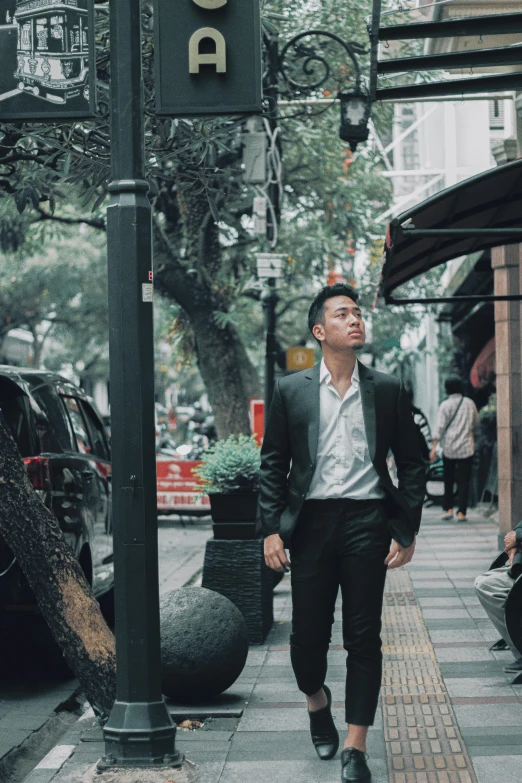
(140, 731)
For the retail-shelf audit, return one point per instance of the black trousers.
(340, 543)
(459, 470)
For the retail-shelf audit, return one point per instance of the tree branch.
(291, 303)
(98, 223)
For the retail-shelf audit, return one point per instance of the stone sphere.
(204, 643)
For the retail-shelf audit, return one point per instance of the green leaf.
(67, 165)
(213, 208)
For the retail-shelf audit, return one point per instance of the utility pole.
(270, 298)
(140, 731)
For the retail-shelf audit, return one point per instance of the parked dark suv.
(64, 447)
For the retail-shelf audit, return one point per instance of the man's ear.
(318, 332)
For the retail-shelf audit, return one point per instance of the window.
(496, 115)
(81, 436)
(96, 431)
(58, 436)
(13, 407)
(50, 34)
(41, 34)
(25, 36)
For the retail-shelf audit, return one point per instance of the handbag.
(446, 428)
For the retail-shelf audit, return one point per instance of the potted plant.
(229, 474)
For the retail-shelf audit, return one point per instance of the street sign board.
(269, 264)
(47, 59)
(208, 57)
(299, 358)
(178, 490)
(256, 410)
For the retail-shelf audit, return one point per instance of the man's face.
(343, 326)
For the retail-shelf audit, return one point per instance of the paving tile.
(473, 669)
(283, 719)
(450, 624)
(478, 686)
(14, 736)
(490, 769)
(313, 771)
(478, 715)
(444, 614)
(463, 654)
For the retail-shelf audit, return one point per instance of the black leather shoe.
(355, 767)
(323, 731)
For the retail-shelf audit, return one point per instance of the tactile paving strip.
(423, 742)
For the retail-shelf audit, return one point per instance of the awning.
(481, 212)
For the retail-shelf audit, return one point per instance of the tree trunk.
(63, 594)
(195, 283)
(228, 374)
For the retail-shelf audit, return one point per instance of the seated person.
(493, 589)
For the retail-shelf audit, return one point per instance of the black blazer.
(289, 451)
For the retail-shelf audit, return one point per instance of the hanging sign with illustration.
(46, 59)
(208, 57)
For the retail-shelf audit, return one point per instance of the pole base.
(139, 734)
(109, 763)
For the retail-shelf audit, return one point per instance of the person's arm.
(411, 471)
(476, 421)
(439, 427)
(513, 539)
(273, 483)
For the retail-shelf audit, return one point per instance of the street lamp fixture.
(355, 115)
(319, 63)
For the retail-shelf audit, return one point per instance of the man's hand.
(275, 555)
(510, 540)
(399, 555)
(511, 555)
(433, 455)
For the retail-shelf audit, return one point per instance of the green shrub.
(230, 465)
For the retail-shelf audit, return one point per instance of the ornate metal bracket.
(307, 62)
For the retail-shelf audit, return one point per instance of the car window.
(96, 431)
(81, 434)
(13, 406)
(58, 436)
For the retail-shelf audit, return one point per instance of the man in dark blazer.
(327, 496)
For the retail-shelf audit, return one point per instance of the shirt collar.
(325, 376)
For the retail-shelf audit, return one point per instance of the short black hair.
(453, 385)
(316, 311)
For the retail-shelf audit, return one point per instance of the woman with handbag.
(457, 424)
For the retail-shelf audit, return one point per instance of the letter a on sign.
(218, 58)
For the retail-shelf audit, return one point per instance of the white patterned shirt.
(343, 467)
(458, 440)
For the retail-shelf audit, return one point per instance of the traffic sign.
(269, 264)
(299, 358)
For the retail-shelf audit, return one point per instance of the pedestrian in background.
(457, 425)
